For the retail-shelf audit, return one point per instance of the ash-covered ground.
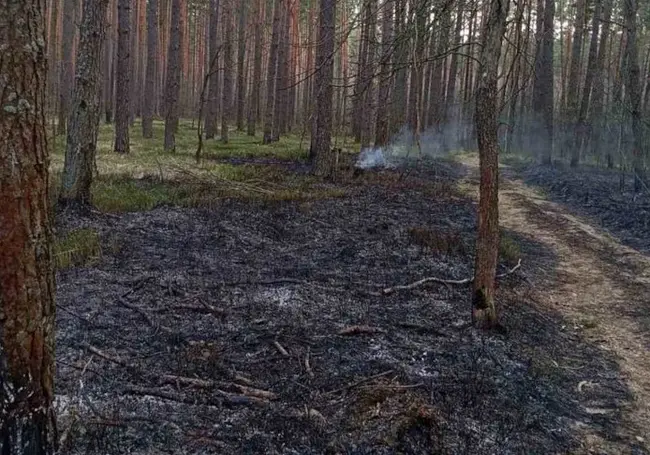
(232, 330)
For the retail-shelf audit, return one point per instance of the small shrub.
(77, 248)
(509, 249)
(442, 242)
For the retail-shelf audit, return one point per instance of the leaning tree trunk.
(173, 86)
(123, 88)
(27, 419)
(83, 122)
(152, 69)
(323, 162)
(487, 243)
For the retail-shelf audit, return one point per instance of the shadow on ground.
(231, 330)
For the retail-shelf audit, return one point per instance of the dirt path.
(600, 285)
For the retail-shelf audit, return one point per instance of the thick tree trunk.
(123, 70)
(272, 75)
(323, 159)
(241, 58)
(27, 418)
(228, 66)
(173, 85)
(543, 82)
(152, 69)
(253, 110)
(487, 243)
(214, 99)
(382, 135)
(598, 93)
(83, 123)
(66, 79)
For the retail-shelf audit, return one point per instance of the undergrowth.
(77, 248)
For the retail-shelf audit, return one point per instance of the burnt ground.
(231, 330)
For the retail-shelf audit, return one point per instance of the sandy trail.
(600, 285)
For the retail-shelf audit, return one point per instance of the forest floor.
(238, 306)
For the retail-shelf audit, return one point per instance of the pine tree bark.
(401, 60)
(543, 82)
(321, 139)
(66, 79)
(254, 107)
(631, 73)
(214, 98)
(241, 59)
(152, 69)
(83, 123)
(27, 418)
(598, 92)
(123, 72)
(382, 135)
(228, 64)
(173, 84)
(272, 75)
(574, 76)
(486, 118)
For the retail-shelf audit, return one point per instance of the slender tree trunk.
(173, 85)
(631, 73)
(241, 58)
(54, 59)
(212, 112)
(598, 92)
(401, 60)
(228, 64)
(574, 77)
(122, 110)
(83, 124)
(323, 159)
(367, 116)
(108, 67)
(27, 417)
(382, 135)
(66, 79)
(253, 111)
(487, 244)
(271, 81)
(152, 69)
(451, 102)
(543, 82)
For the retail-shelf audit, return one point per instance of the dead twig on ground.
(359, 330)
(433, 279)
(359, 382)
(281, 349)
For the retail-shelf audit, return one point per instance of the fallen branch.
(433, 279)
(308, 369)
(208, 384)
(360, 382)
(359, 330)
(281, 349)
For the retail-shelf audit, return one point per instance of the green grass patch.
(149, 177)
(77, 248)
(509, 249)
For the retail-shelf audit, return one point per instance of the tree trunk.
(152, 69)
(212, 112)
(66, 79)
(27, 418)
(173, 85)
(598, 92)
(368, 94)
(323, 159)
(487, 243)
(228, 63)
(83, 124)
(401, 60)
(241, 57)
(382, 135)
(253, 111)
(543, 83)
(631, 74)
(574, 77)
(123, 88)
(271, 80)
